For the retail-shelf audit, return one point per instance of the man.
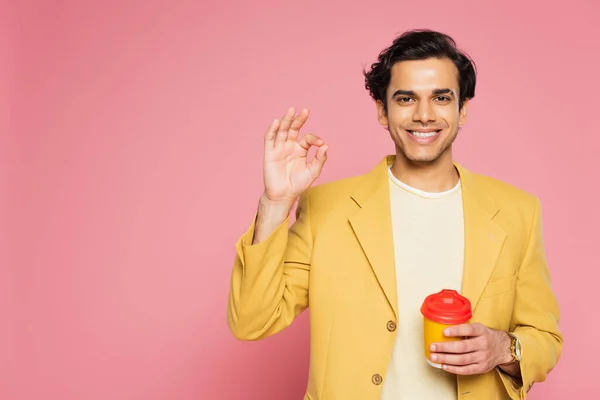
(365, 251)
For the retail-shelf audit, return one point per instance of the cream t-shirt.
(428, 233)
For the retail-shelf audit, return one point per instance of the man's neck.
(438, 176)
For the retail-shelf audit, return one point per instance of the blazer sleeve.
(269, 280)
(535, 316)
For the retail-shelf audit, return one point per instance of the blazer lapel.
(483, 237)
(373, 228)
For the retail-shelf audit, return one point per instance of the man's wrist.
(505, 357)
(506, 362)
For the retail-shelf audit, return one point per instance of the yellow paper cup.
(441, 310)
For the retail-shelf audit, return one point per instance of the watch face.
(518, 349)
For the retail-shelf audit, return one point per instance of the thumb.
(316, 164)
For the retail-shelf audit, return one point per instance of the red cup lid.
(447, 307)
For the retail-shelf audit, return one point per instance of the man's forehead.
(424, 75)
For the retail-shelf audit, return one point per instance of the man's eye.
(443, 98)
(404, 99)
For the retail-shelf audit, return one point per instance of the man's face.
(423, 117)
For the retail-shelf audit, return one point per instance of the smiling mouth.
(424, 135)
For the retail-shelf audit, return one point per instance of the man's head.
(422, 85)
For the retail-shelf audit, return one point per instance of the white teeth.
(423, 134)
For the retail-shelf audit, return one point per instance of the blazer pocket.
(500, 286)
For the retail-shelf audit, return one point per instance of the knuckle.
(484, 341)
(468, 359)
(472, 358)
(480, 357)
(479, 342)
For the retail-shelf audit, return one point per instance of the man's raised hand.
(287, 171)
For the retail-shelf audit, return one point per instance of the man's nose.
(424, 113)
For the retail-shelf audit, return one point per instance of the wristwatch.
(515, 347)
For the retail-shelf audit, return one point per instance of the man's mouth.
(424, 134)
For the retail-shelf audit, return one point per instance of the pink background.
(133, 164)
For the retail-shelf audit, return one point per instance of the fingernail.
(432, 347)
(434, 357)
(447, 332)
(444, 366)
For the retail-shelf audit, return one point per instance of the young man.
(365, 251)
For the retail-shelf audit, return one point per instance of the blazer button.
(391, 326)
(377, 379)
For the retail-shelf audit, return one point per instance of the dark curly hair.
(420, 44)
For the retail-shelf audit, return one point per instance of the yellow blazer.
(338, 257)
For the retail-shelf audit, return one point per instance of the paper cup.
(441, 310)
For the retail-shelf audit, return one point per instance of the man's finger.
(286, 121)
(270, 134)
(457, 359)
(471, 369)
(456, 346)
(310, 140)
(465, 330)
(296, 124)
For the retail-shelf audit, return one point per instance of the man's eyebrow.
(404, 92)
(412, 92)
(443, 91)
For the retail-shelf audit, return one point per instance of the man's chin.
(422, 159)
(422, 156)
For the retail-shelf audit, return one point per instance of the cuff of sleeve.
(514, 388)
(518, 389)
(245, 247)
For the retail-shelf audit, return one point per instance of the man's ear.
(462, 119)
(382, 114)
